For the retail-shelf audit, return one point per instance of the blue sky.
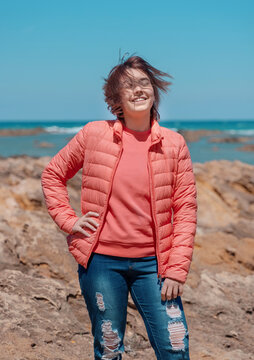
(54, 55)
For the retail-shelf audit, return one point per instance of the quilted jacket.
(97, 148)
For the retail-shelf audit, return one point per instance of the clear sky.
(55, 53)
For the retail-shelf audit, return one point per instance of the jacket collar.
(156, 134)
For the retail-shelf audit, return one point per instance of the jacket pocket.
(73, 239)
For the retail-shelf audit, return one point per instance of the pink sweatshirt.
(128, 229)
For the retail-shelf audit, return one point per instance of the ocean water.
(58, 133)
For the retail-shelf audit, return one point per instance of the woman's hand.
(85, 220)
(171, 289)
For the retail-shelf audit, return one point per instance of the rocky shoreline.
(22, 132)
(212, 135)
(43, 314)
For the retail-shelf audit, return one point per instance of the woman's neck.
(137, 123)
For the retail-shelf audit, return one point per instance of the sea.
(58, 133)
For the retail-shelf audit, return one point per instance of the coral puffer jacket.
(97, 148)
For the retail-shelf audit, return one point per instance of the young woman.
(139, 210)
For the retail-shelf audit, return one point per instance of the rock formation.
(22, 132)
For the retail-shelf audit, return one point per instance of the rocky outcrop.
(249, 147)
(231, 139)
(195, 135)
(22, 132)
(43, 144)
(43, 314)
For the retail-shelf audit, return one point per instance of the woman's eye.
(145, 82)
(127, 84)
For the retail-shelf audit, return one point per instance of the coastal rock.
(232, 139)
(43, 144)
(195, 135)
(22, 132)
(43, 312)
(225, 299)
(226, 196)
(249, 147)
(36, 314)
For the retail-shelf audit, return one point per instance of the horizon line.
(80, 120)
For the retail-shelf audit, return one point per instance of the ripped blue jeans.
(105, 286)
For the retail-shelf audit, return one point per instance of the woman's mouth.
(139, 100)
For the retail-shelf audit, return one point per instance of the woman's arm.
(62, 167)
(185, 217)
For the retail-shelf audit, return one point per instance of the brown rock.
(249, 147)
(21, 132)
(43, 144)
(231, 139)
(195, 135)
(37, 316)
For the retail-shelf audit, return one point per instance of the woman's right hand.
(87, 221)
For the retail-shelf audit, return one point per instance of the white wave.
(248, 132)
(73, 130)
(171, 128)
(63, 130)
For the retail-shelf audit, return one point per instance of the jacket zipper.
(111, 184)
(154, 216)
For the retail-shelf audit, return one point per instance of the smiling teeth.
(139, 99)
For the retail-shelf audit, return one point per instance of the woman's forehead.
(136, 73)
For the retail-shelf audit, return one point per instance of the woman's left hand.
(171, 289)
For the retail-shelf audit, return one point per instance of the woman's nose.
(137, 89)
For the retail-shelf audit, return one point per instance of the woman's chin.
(140, 108)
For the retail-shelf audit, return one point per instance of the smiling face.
(137, 94)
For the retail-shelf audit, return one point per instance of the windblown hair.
(112, 89)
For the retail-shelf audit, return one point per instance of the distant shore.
(189, 135)
(22, 132)
(214, 140)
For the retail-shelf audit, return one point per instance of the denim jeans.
(105, 286)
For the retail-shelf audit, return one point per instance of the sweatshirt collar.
(156, 134)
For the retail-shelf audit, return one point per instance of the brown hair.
(112, 88)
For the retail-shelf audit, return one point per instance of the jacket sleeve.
(184, 217)
(62, 167)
